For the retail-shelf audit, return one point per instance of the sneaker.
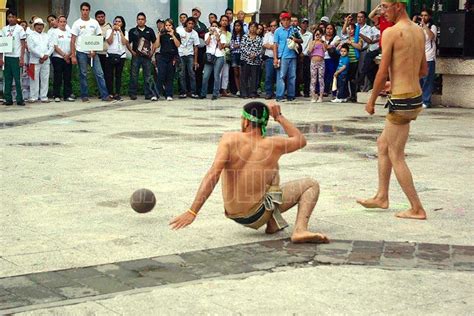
(108, 99)
(153, 98)
(133, 97)
(7, 103)
(426, 106)
(31, 100)
(320, 100)
(85, 99)
(313, 100)
(202, 97)
(183, 96)
(194, 96)
(336, 100)
(56, 99)
(291, 99)
(280, 100)
(237, 93)
(70, 99)
(214, 97)
(46, 100)
(117, 97)
(344, 100)
(22, 103)
(169, 99)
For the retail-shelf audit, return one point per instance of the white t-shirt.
(374, 36)
(62, 39)
(430, 45)
(85, 28)
(366, 31)
(18, 34)
(335, 41)
(306, 37)
(212, 48)
(268, 39)
(117, 46)
(188, 41)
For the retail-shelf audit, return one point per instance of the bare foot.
(411, 214)
(272, 227)
(308, 237)
(373, 203)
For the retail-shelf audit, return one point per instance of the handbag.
(333, 51)
(210, 59)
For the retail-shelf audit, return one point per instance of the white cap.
(197, 8)
(38, 21)
(325, 19)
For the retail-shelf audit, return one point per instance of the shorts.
(403, 111)
(236, 60)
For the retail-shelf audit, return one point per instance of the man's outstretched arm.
(207, 186)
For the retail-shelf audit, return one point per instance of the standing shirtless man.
(248, 162)
(403, 58)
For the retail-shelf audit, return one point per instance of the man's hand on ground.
(182, 221)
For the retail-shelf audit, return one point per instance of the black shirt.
(200, 28)
(135, 35)
(168, 49)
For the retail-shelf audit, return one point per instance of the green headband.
(262, 121)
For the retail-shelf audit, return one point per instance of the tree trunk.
(333, 8)
(61, 7)
(312, 9)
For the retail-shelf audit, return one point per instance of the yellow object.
(3, 11)
(192, 212)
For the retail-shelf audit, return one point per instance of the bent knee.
(382, 145)
(312, 183)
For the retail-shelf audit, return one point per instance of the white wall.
(153, 9)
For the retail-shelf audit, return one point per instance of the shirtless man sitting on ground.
(248, 162)
(403, 58)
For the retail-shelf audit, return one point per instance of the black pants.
(248, 80)
(166, 70)
(352, 80)
(370, 67)
(114, 71)
(306, 75)
(201, 60)
(62, 75)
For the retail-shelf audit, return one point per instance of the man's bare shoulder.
(229, 137)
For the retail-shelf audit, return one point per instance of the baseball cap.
(38, 21)
(303, 20)
(325, 19)
(197, 9)
(285, 15)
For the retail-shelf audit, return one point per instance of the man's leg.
(8, 78)
(305, 193)
(281, 78)
(182, 75)
(44, 81)
(133, 86)
(16, 75)
(384, 171)
(148, 78)
(428, 83)
(99, 78)
(292, 89)
(307, 75)
(34, 84)
(83, 61)
(397, 136)
(191, 74)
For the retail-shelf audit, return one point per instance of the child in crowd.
(317, 49)
(341, 75)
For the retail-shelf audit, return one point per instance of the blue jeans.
(145, 63)
(84, 61)
(270, 73)
(217, 67)
(342, 92)
(427, 83)
(165, 76)
(331, 67)
(187, 67)
(287, 69)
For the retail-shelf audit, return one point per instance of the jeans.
(342, 86)
(353, 80)
(331, 67)
(208, 68)
(287, 70)
(84, 61)
(270, 73)
(114, 71)
(248, 80)
(12, 72)
(165, 77)
(187, 67)
(145, 63)
(62, 76)
(427, 83)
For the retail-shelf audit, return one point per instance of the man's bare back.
(407, 56)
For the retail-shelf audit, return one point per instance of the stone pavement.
(67, 171)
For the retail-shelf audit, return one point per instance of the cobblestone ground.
(68, 238)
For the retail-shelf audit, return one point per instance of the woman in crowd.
(224, 22)
(331, 56)
(117, 38)
(251, 56)
(168, 40)
(316, 51)
(261, 34)
(215, 45)
(61, 60)
(237, 35)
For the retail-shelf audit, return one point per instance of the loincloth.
(268, 208)
(403, 111)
